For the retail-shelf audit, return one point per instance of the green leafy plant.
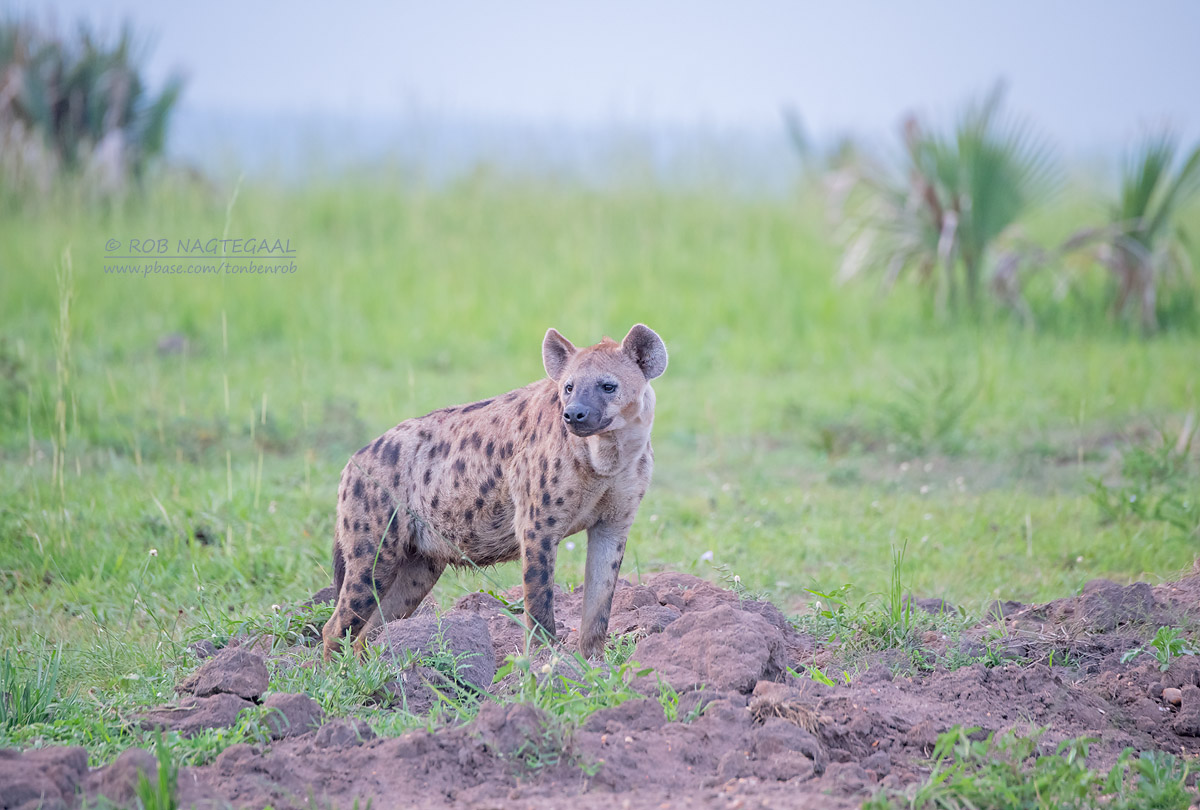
(1168, 644)
(568, 689)
(27, 695)
(955, 196)
(668, 698)
(815, 673)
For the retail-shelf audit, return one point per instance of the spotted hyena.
(503, 479)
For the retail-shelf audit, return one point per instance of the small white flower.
(654, 518)
(276, 608)
(546, 669)
(153, 552)
(706, 556)
(570, 545)
(925, 489)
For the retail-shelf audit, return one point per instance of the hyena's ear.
(556, 351)
(646, 349)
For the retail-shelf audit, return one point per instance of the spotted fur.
(503, 479)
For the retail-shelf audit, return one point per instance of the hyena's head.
(602, 387)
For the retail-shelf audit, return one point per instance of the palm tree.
(1144, 248)
(961, 194)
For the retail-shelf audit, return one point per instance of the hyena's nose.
(577, 414)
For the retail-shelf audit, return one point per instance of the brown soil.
(765, 738)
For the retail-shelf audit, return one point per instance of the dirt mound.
(46, 778)
(232, 671)
(192, 715)
(722, 648)
(459, 640)
(742, 728)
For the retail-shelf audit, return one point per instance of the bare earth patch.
(758, 735)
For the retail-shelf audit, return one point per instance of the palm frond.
(960, 193)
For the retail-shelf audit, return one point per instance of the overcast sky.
(1089, 74)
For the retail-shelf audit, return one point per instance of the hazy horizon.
(1089, 77)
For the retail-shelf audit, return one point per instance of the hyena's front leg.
(539, 548)
(605, 550)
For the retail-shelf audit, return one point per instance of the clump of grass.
(1007, 772)
(898, 613)
(283, 628)
(734, 583)
(568, 686)
(346, 683)
(1158, 484)
(457, 693)
(27, 696)
(889, 621)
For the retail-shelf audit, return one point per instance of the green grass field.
(804, 429)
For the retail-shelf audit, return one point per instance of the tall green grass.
(797, 436)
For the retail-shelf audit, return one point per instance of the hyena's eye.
(568, 388)
(608, 387)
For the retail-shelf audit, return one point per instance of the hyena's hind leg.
(376, 591)
(363, 571)
(412, 581)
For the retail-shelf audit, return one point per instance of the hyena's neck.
(619, 448)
